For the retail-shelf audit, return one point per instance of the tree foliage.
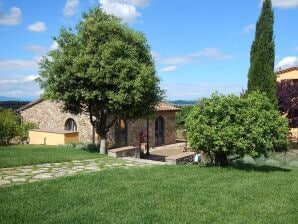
(182, 115)
(222, 126)
(261, 75)
(102, 68)
(8, 125)
(11, 126)
(287, 94)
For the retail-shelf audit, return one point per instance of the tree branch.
(112, 123)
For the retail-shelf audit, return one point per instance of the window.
(70, 125)
(121, 133)
(159, 131)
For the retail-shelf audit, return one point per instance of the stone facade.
(48, 115)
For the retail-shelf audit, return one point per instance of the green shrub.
(23, 130)
(182, 115)
(9, 123)
(223, 126)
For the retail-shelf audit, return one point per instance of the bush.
(223, 126)
(182, 115)
(9, 123)
(23, 130)
(11, 126)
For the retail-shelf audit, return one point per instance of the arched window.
(70, 125)
(121, 133)
(159, 131)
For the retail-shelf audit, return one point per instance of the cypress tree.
(261, 75)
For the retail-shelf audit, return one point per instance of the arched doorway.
(70, 125)
(121, 133)
(159, 131)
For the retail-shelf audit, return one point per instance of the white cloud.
(126, 10)
(40, 50)
(37, 27)
(249, 28)
(190, 91)
(178, 60)
(137, 3)
(19, 64)
(18, 86)
(13, 18)
(70, 7)
(169, 69)
(214, 54)
(36, 49)
(209, 54)
(287, 62)
(14, 80)
(285, 4)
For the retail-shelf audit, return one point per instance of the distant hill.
(5, 98)
(13, 104)
(183, 102)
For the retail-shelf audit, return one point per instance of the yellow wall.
(49, 138)
(71, 137)
(287, 75)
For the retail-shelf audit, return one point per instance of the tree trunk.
(103, 147)
(221, 159)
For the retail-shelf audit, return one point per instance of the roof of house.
(162, 106)
(286, 70)
(29, 105)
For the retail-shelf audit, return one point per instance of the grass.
(18, 155)
(167, 194)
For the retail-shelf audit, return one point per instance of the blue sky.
(199, 46)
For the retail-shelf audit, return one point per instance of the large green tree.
(223, 126)
(261, 75)
(102, 68)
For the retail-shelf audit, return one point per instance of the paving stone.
(4, 182)
(10, 171)
(15, 180)
(43, 176)
(26, 170)
(45, 165)
(9, 177)
(38, 171)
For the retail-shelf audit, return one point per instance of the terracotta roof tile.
(162, 106)
(286, 70)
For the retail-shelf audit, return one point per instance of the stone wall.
(48, 115)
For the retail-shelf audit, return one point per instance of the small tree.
(182, 115)
(261, 75)
(8, 125)
(102, 68)
(229, 125)
(287, 94)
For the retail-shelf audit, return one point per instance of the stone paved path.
(33, 173)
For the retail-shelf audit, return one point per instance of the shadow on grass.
(259, 168)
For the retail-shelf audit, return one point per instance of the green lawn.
(19, 155)
(167, 194)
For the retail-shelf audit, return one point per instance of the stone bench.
(127, 151)
(184, 157)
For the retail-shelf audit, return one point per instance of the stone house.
(290, 73)
(162, 126)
